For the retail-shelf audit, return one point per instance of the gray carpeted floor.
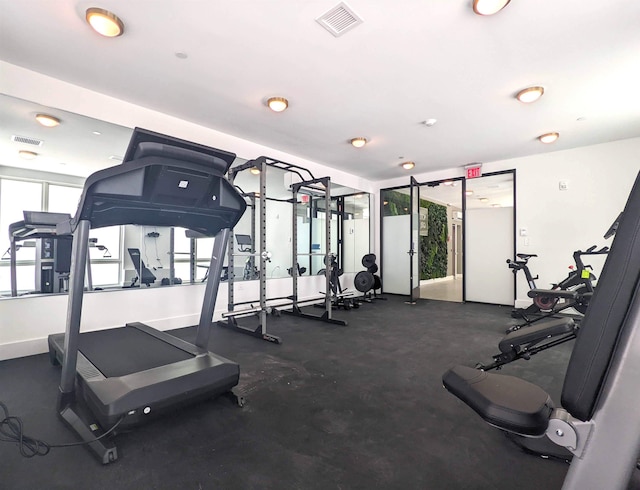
(356, 407)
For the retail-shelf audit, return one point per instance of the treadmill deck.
(139, 371)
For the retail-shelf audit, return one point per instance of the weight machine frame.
(308, 184)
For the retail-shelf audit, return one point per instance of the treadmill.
(43, 226)
(123, 376)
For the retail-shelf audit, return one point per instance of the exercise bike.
(540, 303)
(580, 279)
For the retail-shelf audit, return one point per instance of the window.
(63, 199)
(17, 196)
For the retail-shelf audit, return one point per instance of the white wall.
(558, 222)
(26, 322)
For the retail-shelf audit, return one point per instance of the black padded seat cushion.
(506, 402)
(536, 333)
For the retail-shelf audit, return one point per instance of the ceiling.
(79, 146)
(408, 61)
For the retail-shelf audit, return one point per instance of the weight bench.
(598, 418)
(526, 342)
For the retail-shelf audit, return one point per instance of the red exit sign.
(474, 171)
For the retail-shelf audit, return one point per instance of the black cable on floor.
(12, 430)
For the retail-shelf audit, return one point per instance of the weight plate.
(363, 281)
(368, 260)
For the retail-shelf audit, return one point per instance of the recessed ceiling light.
(277, 104)
(104, 22)
(530, 94)
(407, 165)
(358, 142)
(27, 155)
(181, 55)
(255, 170)
(549, 137)
(484, 199)
(47, 120)
(430, 122)
(489, 7)
(469, 192)
(495, 205)
(97, 133)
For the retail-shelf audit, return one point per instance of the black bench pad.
(506, 402)
(536, 333)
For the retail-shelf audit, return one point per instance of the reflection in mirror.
(80, 145)
(51, 180)
(355, 231)
(279, 223)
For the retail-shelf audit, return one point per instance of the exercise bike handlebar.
(592, 251)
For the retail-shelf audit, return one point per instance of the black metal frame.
(413, 181)
(308, 184)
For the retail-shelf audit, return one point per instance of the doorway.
(442, 275)
(429, 264)
(460, 234)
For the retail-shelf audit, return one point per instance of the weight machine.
(307, 184)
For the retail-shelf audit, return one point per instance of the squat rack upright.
(307, 184)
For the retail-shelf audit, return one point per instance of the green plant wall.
(433, 247)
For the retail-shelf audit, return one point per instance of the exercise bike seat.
(506, 402)
(536, 333)
(525, 256)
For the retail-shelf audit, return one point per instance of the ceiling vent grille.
(26, 140)
(339, 20)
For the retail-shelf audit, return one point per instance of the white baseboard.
(23, 348)
(523, 303)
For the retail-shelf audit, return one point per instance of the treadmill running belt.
(126, 350)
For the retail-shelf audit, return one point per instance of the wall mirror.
(48, 176)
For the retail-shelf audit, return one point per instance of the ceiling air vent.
(26, 140)
(339, 20)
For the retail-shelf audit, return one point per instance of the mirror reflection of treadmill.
(145, 276)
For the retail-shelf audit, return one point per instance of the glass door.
(414, 242)
(395, 228)
(441, 238)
